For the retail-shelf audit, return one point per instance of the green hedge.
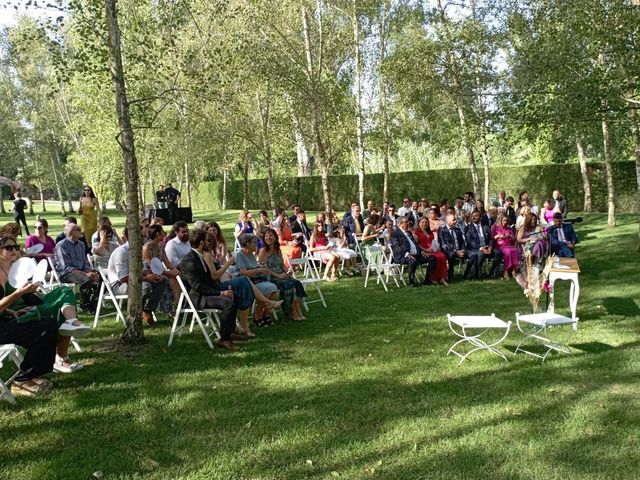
(539, 180)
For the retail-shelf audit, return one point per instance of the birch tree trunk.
(245, 181)
(611, 196)
(586, 185)
(2, 209)
(466, 142)
(263, 110)
(386, 131)
(133, 333)
(355, 25)
(187, 183)
(56, 181)
(225, 175)
(635, 126)
(313, 75)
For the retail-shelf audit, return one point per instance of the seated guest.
(278, 215)
(248, 267)
(346, 254)
(144, 226)
(157, 221)
(322, 218)
(424, 238)
(244, 290)
(372, 230)
(504, 239)
(320, 247)
(385, 211)
(459, 207)
(153, 248)
(262, 224)
(464, 221)
(387, 233)
(391, 215)
(57, 306)
(510, 212)
(95, 238)
(479, 248)
(483, 212)
(523, 212)
(548, 209)
(489, 218)
(406, 252)
(300, 228)
(289, 245)
(348, 212)
(368, 210)
(414, 215)
(153, 286)
(296, 209)
(532, 238)
(469, 204)
(334, 221)
(176, 248)
(72, 266)
(105, 246)
(245, 224)
(291, 290)
(443, 207)
(562, 236)
(221, 249)
(452, 243)
(424, 207)
(41, 229)
(354, 223)
(405, 208)
(559, 203)
(205, 294)
(200, 225)
(501, 200)
(435, 222)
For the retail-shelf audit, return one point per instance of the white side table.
(566, 269)
(460, 326)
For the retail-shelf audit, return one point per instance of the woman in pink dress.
(504, 237)
(322, 249)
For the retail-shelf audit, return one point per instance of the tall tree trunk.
(2, 209)
(635, 128)
(586, 185)
(305, 164)
(355, 26)
(56, 181)
(485, 165)
(245, 181)
(63, 181)
(187, 183)
(225, 177)
(466, 142)
(42, 202)
(313, 75)
(263, 110)
(611, 196)
(133, 333)
(386, 131)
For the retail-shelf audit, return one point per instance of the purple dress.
(507, 246)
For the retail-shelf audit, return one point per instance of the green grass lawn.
(362, 389)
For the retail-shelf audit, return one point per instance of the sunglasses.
(38, 227)
(8, 248)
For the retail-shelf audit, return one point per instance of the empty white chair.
(107, 295)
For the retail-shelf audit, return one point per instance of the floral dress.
(289, 288)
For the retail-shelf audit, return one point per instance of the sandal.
(29, 387)
(247, 333)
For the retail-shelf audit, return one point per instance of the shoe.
(29, 387)
(65, 365)
(73, 328)
(148, 317)
(414, 284)
(227, 345)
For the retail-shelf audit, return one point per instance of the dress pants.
(227, 315)
(39, 337)
(413, 262)
(151, 293)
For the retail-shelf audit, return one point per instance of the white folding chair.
(203, 316)
(375, 263)
(9, 352)
(391, 269)
(309, 275)
(107, 295)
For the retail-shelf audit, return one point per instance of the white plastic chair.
(309, 275)
(107, 295)
(9, 352)
(204, 316)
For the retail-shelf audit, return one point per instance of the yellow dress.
(88, 220)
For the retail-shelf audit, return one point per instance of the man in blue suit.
(452, 243)
(562, 236)
(479, 248)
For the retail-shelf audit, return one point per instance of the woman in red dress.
(424, 238)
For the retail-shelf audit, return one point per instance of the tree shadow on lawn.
(338, 424)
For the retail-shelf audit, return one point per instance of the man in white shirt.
(153, 286)
(178, 246)
(405, 208)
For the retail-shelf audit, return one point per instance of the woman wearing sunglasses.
(41, 236)
(44, 327)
